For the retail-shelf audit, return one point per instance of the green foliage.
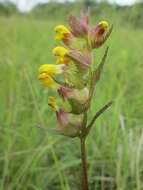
(31, 159)
(132, 15)
(7, 9)
(135, 16)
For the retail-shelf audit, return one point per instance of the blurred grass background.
(31, 159)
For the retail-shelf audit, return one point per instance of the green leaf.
(98, 71)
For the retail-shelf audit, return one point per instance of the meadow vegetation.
(34, 160)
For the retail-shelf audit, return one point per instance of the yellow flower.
(52, 102)
(60, 52)
(50, 69)
(61, 31)
(60, 60)
(104, 24)
(47, 81)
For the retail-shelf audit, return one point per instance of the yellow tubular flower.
(60, 60)
(60, 51)
(52, 102)
(61, 30)
(47, 81)
(50, 69)
(105, 25)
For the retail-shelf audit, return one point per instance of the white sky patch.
(123, 2)
(27, 5)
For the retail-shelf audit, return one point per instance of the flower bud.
(67, 126)
(65, 92)
(81, 60)
(98, 34)
(62, 116)
(79, 100)
(80, 95)
(79, 27)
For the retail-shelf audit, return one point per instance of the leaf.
(50, 131)
(108, 33)
(97, 74)
(67, 131)
(98, 71)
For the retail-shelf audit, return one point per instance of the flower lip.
(62, 29)
(48, 69)
(51, 70)
(47, 81)
(60, 51)
(103, 25)
(42, 76)
(62, 32)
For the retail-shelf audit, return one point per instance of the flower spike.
(74, 78)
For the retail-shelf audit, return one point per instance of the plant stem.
(84, 167)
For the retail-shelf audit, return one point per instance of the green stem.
(84, 167)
